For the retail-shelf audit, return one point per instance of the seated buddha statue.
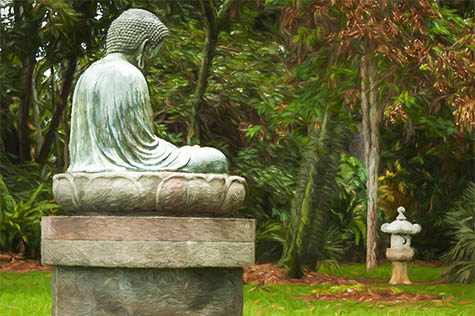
(111, 125)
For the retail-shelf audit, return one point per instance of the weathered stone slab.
(147, 228)
(171, 193)
(146, 254)
(147, 292)
(147, 242)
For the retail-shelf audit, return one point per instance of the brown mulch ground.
(271, 274)
(369, 295)
(13, 263)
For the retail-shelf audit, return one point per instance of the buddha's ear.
(141, 54)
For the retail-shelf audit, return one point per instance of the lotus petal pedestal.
(158, 193)
(120, 262)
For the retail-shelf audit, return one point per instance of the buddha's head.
(134, 33)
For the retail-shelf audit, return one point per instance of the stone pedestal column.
(147, 266)
(122, 257)
(399, 273)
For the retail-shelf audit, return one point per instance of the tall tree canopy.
(403, 51)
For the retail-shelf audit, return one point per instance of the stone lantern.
(400, 252)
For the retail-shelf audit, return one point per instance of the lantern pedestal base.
(399, 275)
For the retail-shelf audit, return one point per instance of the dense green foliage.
(276, 76)
(22, 206)
(461, 220)
(426, 172)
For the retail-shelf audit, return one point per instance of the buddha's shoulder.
(113, 67)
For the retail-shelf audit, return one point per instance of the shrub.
(461, 219)
(25, 197)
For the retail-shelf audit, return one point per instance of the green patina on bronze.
(111, 125)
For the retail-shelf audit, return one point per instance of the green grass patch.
(25, 294)
(416, 273)
(29, 294)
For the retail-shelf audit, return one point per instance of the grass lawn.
(28, 294)
(417, 273)
(25, 294)
(275, 301)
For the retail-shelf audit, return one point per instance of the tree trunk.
(60, 107)
(59, 159)
(25, 101)
(213, 22)
(209, 49)
(21, 10)
(371, 119)
(67, 133)
(37, 117)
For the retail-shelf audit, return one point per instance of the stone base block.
(400, 253)
(81, 291)
(147, 266)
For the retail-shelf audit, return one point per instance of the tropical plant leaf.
(461, 220)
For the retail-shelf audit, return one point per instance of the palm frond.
(316, 184)
(461, 218)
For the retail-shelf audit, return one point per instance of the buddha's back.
(112, 120)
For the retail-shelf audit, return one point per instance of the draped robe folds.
(111, 125)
